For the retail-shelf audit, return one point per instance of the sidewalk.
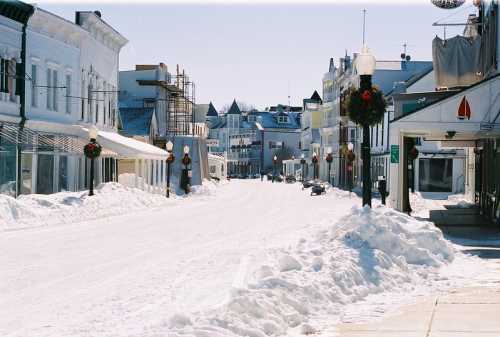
(468, 312)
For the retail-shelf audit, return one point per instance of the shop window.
(7, 169)
(26, 173)
(435, 175)
(63, 173)
(45, 174)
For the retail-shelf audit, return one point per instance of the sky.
(261, 52)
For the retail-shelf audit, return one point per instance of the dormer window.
(282, 119)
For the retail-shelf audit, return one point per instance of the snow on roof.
(129, 147)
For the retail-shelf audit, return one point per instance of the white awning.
(130, 148)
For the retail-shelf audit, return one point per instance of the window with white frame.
(55, 89)
(68, 94)
(282, 119)
(52, 93)
(34, 83)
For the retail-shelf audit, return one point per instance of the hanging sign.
(394, 154)
(464, 109)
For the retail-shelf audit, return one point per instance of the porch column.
(155, 176)
(148, 175)
(136, 171)
(143, 176)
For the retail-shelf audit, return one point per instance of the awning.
(130, 148)
(38, 140)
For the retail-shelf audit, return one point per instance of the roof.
(136, 121)
(385, 78)
(16, 10)
(234, 109)
(456, 93)
(315, 96)
(211, 111)
(269, 120)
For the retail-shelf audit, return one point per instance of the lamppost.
(350, 159)
(315, 163)
(170, 160)
(303, 163)
(185, 179)
(92, 150)
(329, 159)
(275, 161)
(365, 66)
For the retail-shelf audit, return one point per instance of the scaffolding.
(181, 105)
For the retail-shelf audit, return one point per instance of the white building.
(71, 83)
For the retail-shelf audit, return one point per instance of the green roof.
(234, 109)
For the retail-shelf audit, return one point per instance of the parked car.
(307, 184)
(278, 178)
(290, 179)
(318, 189)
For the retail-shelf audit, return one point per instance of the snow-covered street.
(224, 262)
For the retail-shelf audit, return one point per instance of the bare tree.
(245, 107)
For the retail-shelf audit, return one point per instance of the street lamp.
(185, 179)
(365, 66)
(303, 163)
(275, 161)
(92, 150)
(170, 160)
(315, 163)
(329, 159)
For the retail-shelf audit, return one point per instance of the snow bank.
(366, 252)
(421, 204)
(69, 207)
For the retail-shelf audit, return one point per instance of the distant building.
(251, 140)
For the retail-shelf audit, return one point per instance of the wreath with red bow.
(92, 150)
(351, 156)
(365, 106)
(186, 160)
(413, 153)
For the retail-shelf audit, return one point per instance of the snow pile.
(421, 204)
(365, 253)
(69, 207)
(208, 188)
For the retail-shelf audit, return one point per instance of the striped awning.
(36, 140)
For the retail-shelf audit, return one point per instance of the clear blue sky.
(259, 53)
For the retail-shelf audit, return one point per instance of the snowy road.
(126, 275)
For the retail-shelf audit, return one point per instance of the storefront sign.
(394, 154)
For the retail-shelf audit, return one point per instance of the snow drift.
(366, 252)
(110, 199)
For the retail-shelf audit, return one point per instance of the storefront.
(477, 133)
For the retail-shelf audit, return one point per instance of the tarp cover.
(456, 61)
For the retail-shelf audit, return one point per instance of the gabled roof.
(136, 121)
(315, 96)
(211, 111)
(234, 109)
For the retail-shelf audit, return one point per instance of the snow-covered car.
(318, 189)
(307, 184)
(290, 179)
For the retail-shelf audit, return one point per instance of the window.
(82, 112)
(63, 173)
(382, 138)
(282, 119)
(376, 136)
(435, 175)
(89, 102)
(4, 78)
(49, 89)
(45, 174)
(34, 89)
(68, 94)
(54, 90)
